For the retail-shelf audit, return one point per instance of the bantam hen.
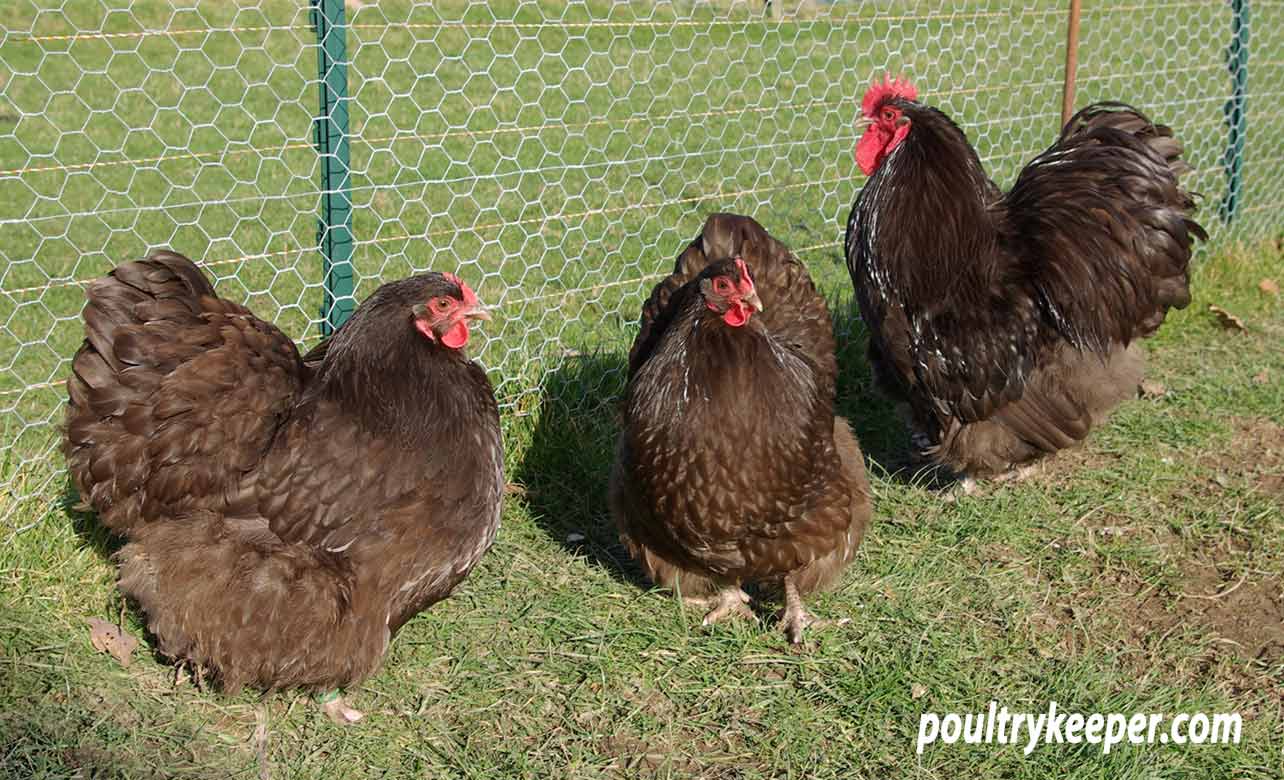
(732, 467)
(1009, 321)
(284, 515)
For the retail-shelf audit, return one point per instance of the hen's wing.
(174, 394)
(334, 485)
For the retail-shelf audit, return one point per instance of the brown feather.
(284, 519)
(732, 467)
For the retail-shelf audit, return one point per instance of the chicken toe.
(730, 602)
(963, 488)
(1020, 473)
(794, 618)
(337, 710)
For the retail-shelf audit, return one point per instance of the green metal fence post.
(334, 229)
(1236, 110)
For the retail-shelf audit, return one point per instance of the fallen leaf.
(1152, 389)
(1269, 286)
(918, 691)
(514, 489)
(1261, 377)
(1226, 319)
(109, 638)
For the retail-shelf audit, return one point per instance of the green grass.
(1085, 585)
(545, 163)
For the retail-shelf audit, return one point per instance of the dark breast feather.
(947, 330)
(412, 509)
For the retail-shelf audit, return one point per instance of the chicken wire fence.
(556, 155)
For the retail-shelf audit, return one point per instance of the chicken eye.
(889, 114)
(442, 304)
(722, 285)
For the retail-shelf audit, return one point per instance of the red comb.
(877, 94)
(746, 279)
(470, 297)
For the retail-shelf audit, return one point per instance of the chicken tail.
(1126, 119)
(122, 360)
(229, 596)
(140, 399)
(1098, 122)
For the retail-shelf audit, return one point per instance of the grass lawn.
(1094, 584)
(562, 166)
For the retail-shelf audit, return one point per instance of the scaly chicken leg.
(730, 602)
(337, 710)
(795, 617)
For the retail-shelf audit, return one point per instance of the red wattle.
(868, 150)
(457, 336)
(737, 315)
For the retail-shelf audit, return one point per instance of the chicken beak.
(753, 300)
(863, 123)
(477, 312)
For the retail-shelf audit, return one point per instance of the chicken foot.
(967, 484)
(1019, 473)
(333, 705)
(794, 618)
(730, 602)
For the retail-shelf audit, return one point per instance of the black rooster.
(1009, 321)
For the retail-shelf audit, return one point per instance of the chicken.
(1008, 322)
(284, 516)
(732, 467)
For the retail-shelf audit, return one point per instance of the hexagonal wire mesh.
(556, 154)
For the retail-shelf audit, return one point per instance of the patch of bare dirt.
(1255, 454)
(1207, 624)
(1242, 616)
(1219, 617)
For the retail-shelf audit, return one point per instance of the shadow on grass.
(32, 750)
(93, 534)
(568, 463)
(872, 415)
(878, 425)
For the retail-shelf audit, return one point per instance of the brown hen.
(285, 516)
(732, 467)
